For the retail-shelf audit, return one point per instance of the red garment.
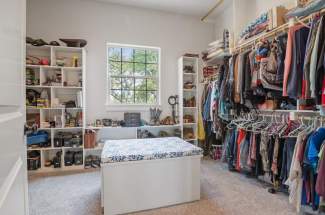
(240, 139)
(288, 57)
(301, 150)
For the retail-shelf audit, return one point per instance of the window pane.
(127, 54)
(152, 98)
(115, 68)
(116, 83)
(127, 68)
(140, 55)
(114, 54)
(140, 84)
(140, 97)
(127, 96)
(128, 83)
(116, 96)
(152, 56)
(140, 69)
(152, 70)
(151, 84)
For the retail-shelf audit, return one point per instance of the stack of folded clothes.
(307, 9)
(218, 48)
(258, 26)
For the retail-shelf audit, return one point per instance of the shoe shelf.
(55, 102)
(188, 69)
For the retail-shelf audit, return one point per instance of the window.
(133, 75)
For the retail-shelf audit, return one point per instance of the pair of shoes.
(40, 42)
(92, 161)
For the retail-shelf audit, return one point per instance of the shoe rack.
(188, 68)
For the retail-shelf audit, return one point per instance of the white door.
(13, 170)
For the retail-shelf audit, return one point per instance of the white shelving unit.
(116, 133)
(69, 85)
(184, 77)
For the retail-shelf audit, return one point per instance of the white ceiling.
(188, 7)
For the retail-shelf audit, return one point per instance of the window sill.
(128, 108)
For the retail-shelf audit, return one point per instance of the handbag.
(269, 67)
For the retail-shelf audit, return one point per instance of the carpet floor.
(222, 193)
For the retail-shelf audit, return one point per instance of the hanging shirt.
(315, 144)
(320, 183)
(288, 58)
(313, 60)
(294, 181)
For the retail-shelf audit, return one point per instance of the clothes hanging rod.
(281, 29)
(211, 10)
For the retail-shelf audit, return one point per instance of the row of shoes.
(92, 161)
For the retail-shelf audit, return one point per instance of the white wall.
(100, 23)
(263, 6)
(239, 13)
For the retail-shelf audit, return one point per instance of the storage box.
(276, 17)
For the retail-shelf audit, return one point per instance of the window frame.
(109, 102)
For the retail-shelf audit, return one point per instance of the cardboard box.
(277, 17)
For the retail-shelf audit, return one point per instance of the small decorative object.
(115, 123)
(48, 163)
(45, 99)
(177, 132)
(163, 134)
(52, 124)
(74, 42)
(143, 134)
(54, 43)
(60, 61)
(173, 101)
(32, 60)
(107, 122)
(29, 40)
(44, 62)
(188, 133)
(188, 69)
(191, 102)
(31, 78)
(188, 118)
(167, 121)
(155, 116)
(38, 42)
(189, 85)
(98, 123)
(75, 61)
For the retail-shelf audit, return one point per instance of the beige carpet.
(223, 192)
